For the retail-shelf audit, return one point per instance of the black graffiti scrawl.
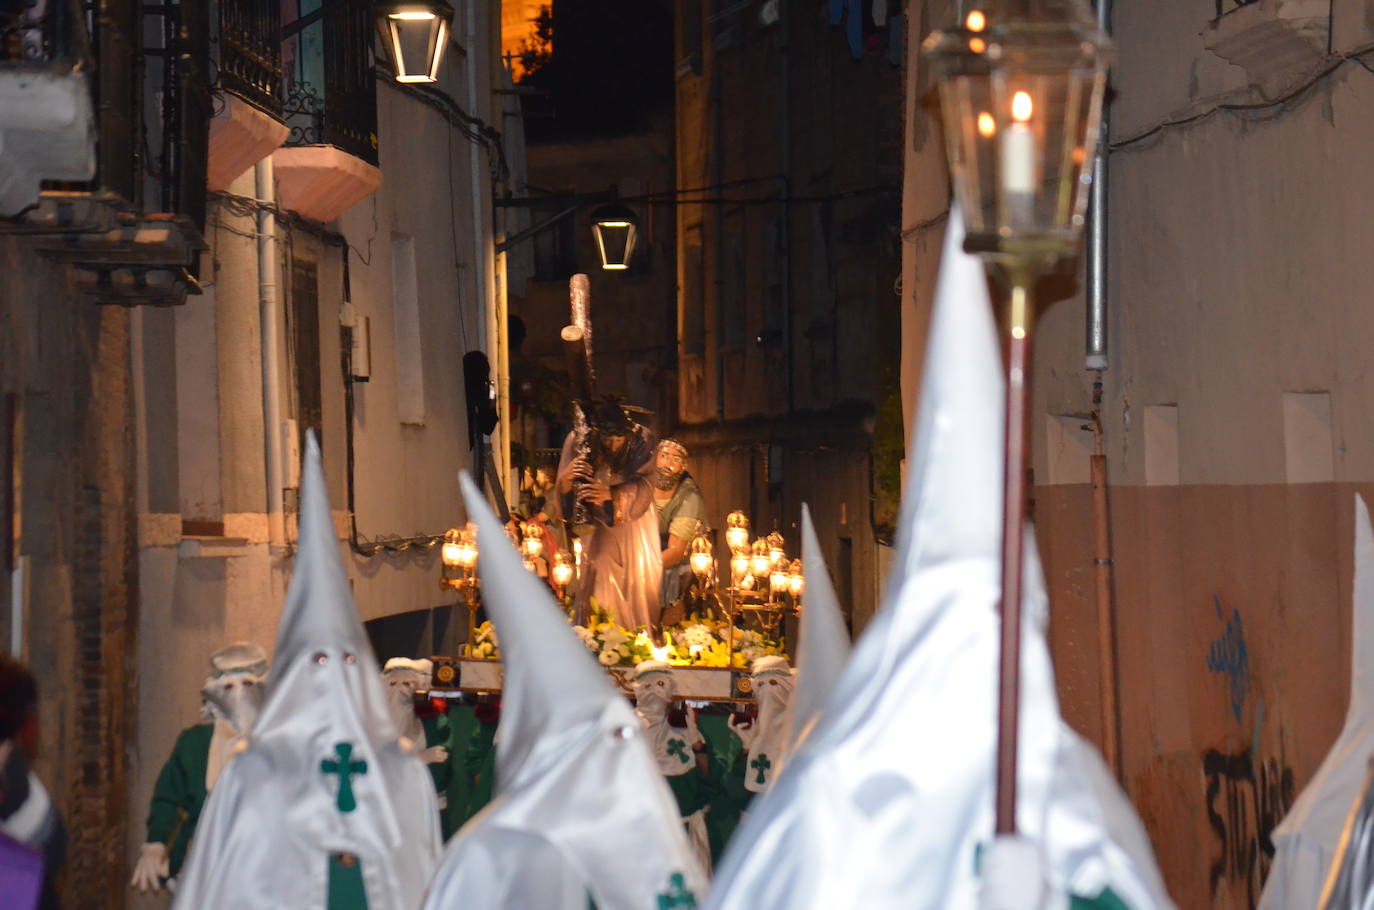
(1244, 804)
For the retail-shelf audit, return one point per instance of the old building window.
(331, 96)
(405, 297)
(303, 334)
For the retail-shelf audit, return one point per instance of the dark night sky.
(612, 64)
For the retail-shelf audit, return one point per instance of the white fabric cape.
(824, 639)
(886, 802)
(580, 806)
(272, 821)
(1305, 841)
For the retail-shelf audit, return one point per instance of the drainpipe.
(1096, 360)
(269, 316)
(1096, 260)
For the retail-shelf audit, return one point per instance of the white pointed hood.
(580, 807)
(282, 807)
(824, 638)
(886, 802)
(1306, 840)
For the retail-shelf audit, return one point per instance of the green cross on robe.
(345, 769)
(677, 894)
(762, 764)
(678, 749)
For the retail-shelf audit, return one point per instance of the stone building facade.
(788, 264)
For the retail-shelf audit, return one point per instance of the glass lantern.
(1021, 84)
(736, 531)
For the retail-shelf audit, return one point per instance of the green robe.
(180, 793)
(726, 792)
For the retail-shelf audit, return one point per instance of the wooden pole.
(1013, 537)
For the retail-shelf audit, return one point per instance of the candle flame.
(975, 21)
(1021, 106)
(986, 125)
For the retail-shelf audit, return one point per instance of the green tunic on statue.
(180, 793)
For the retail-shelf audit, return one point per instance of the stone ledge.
(47, 132)
(241, 135)
(322, 182)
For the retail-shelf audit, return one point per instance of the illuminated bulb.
(736, 530)
(533, 544)
(977, 45)
(701, 563)
(449, 551)
(561, 571)
(760, 563)
(975, 21)
(987, 127)
(778, 581)
(739, 566)
(423, 16)
(796, 580)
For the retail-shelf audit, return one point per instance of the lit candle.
(1018, 147)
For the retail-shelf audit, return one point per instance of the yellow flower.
(608, 658)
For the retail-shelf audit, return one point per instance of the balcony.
(248, 124)
(47, 120)
(329, 162)
(127, 220)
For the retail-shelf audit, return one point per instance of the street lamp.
(415, 35)
(1021, 84)
(614, 226)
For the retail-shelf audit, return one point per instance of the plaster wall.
(1238, 263)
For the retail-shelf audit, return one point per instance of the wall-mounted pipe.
(269, 316)
(1096, 258)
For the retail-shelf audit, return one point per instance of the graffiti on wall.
(1245, 801)
(1228, 655)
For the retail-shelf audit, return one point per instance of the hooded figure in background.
(613, 484)
(325, 806)
(231, 698)
(676, 750)
(581, 809)
(422, 721)
(888, 802)
(767, 737)
(1307, 839)
(824, 647)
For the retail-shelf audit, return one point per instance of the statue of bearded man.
(231, 695)
(681, 511)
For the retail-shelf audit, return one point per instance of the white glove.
(1013, 876)
(742, 727)
(434, 755)
(693, 732)
(151, 868)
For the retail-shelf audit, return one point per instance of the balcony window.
(330, 90)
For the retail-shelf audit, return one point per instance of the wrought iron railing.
(331, 96)
(249, 52)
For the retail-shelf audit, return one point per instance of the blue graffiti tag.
(1228, 655)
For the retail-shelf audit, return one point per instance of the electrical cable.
(1276, 105)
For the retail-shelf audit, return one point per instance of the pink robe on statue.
(622, 563)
